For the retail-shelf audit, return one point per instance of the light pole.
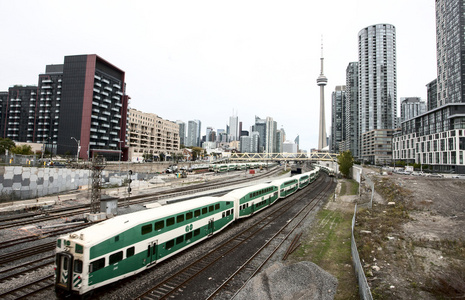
(78, 142)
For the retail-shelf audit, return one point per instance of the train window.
(204, 210)
(65, 263)
(188, 235)
(189, 215)
(197, 232)
(116, 257)
(117, 238)
(97, 265)
(227, 202)
(146, 229)
(217, 206)
(180, 218)
(159, 225)
(169, 244)
(58, 243)
(77, 266)
(79, 249)
(197, 213)
(228, 213)
(222, 215)
(169, 221)
(130, 252)
(211, 208)
(179, 239)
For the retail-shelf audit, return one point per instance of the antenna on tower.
(321, 46)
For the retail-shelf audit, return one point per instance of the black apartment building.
(79, 105)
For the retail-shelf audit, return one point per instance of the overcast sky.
(202, 60)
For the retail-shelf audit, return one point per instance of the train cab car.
(252, 199)
(125, 245)
(286, 186)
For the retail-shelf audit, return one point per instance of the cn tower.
(321, 82)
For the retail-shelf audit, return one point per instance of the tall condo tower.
(321, 81)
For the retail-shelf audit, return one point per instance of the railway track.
(27, 290)
(171, 286)
(59, 213)
(30, 218)
(247, 269)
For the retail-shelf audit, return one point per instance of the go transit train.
(128, 244)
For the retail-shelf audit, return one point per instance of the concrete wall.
(26, 183)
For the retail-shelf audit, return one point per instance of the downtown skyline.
(202, 61)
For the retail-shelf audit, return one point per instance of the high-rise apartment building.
(182, 132)
(351, 137)
(193, 133)
(437, 137)
(271, 127)
(249, 144)
(411, 107)
(337, 117)
(234, 128)
(377, 72)
(432, 95)
(80, 104)
(450, 30)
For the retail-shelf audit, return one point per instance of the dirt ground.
(412, 240)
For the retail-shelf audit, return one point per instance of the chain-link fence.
(363, 288)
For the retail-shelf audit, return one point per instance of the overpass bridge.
(314, 156)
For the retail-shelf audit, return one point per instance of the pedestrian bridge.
(314, 156)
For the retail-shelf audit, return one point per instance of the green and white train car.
(252, 199)
(286, 186)
(125, 245)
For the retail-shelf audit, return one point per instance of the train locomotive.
(128, 244)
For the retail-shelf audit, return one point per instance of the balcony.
(95, 110)
(97, 97)
(46, 87)
(104, 93)
(106, 81)
(116, 97)
(106, 113)
(108, 88)
(103, 105)
(93, 130)
(96, 90)
(107, 100)
(115, 109)
(47, 81)
(97, 77)
(103, 119)
(95, 123)
(97, 84)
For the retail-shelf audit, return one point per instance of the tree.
(6, 144)
(196, 151)
(345, 161)
(22, 150)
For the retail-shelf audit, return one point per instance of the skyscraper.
(193, 133)
(411, 107)
(182, 132)
(321, 81)
(337, 117)
(377, 77)
(260, 127)
(234, 128)
(351, 110)
(271, 127)
(450, 22)
(377, 87)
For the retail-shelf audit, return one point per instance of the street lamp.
(78, 142)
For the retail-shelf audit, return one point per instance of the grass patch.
(348, 187)
(328, 246)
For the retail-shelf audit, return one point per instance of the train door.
(64, 271)
(152, 252)
(211, 226)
